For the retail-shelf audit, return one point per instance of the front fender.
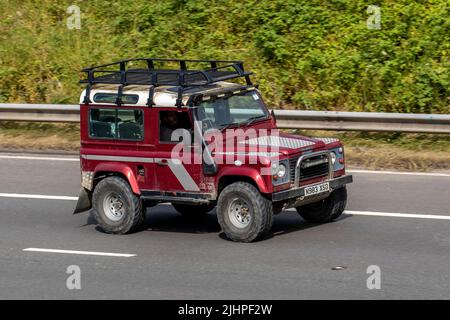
(123, 169)
(251, 173)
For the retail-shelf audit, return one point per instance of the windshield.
(235, 110)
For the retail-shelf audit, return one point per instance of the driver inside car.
(170, 121)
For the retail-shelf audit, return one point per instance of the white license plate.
(318, 188)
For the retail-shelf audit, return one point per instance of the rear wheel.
(193, 211)
(116, 208)
(325, 210)
(244, 213)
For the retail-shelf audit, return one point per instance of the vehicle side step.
(177, 197)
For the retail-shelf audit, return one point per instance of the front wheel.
(116, 208)
(325, 210)
(244, 213)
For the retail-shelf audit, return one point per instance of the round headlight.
(274, 168)
(281, 171)
(333, 157)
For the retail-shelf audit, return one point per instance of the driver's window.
(169, 121)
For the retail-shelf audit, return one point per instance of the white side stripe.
(175, 165)
(91, 253)
(182, 175)
(117, 158)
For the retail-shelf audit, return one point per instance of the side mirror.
(272, 113)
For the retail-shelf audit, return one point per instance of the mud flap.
(84, 201)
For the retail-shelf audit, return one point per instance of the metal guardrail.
(363, 121)
(286, 119)
(39, 112)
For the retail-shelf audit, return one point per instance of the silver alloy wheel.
(239, 213)
(113, 207)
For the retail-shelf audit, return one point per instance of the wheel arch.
(250, 176)
(103, 170)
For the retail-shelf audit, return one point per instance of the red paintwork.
(161, 178)
(261, 181)
(120, 168)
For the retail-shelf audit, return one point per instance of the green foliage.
(316, 54)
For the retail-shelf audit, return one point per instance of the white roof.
(162, 96)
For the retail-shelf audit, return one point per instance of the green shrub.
(314, 54)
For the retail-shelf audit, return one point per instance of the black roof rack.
(182, 77)
(120, 73)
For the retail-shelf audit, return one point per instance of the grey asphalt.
(181, 259)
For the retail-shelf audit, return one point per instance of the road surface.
(397, 222)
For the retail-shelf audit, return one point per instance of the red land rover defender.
(155, 131)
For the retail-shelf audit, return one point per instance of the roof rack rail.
(120, 73)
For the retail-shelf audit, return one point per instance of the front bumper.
(295, 193)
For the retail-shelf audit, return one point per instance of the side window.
(103, 97)
(130, 124)
(102, 123)
(120, 124)
(169, 121)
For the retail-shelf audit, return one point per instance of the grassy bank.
(313, 55)
(39, 136)
(415, 152)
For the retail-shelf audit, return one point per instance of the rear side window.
(112, 98)
(119, 124)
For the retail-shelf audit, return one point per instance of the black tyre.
(193, 211)
(325, 210)
(244, 213)
(116, 208)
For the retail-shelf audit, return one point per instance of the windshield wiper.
(230, 125)
(249, 121)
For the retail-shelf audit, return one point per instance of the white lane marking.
(37, 196)
(398, 215)
(431, 174)
(361, 213)
(90, 253)
(392, 214)
(38, 158)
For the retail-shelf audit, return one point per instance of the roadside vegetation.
(315, 54)
(310, 55)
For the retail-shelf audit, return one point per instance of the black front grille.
(292, 164)
(312, 171)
